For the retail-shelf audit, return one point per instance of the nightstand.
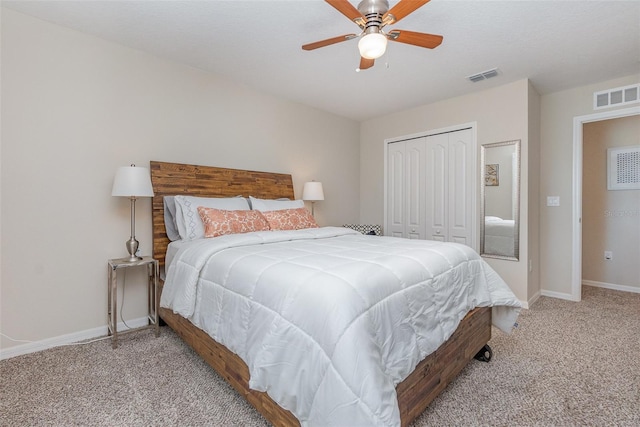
(112, 288)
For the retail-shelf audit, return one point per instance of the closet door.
(449, 187)
(430, 184)
(406, 189)
(395, 225)
(415, 189)
(460, 187)
(436, 187)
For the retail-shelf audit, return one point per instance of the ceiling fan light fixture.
(372, 45)
(372, 16)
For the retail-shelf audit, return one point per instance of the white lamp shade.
(312, 191)
(132, 181)
(372, 46)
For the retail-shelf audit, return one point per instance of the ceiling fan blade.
(346, 8)
(366, 63)
(327, 42)
(402, 9)
(429, 41)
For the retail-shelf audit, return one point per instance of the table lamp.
(312, 192)
(132, 182)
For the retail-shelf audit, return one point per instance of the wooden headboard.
(170, 179)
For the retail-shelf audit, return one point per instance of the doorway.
(576, 247)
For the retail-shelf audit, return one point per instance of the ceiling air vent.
(616, 97)
(483, 75)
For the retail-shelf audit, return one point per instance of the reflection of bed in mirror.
(499, 236)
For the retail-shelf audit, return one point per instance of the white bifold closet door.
(430, 187)
(406, 194)
(450, 183)
(395, 203)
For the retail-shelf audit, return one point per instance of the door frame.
(576, 258)
(474, 161)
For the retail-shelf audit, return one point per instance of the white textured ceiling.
(556, 44)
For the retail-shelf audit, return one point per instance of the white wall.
(501, 115)
(556, 153)
(74, 109)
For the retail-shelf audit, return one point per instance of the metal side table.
(152, 285)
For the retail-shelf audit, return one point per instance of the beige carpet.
(568, 364)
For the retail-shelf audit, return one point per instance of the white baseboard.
(559, 295)
(68, 339)
(622, 288)
(529, 303)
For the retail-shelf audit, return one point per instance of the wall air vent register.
(623, 168)
(616, 97)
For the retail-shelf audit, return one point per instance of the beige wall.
(74, 109)
(610, 219)
(501, 114)
(556, 163)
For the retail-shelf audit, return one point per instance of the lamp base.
(132, 248)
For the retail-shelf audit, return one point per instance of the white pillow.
(188, 220)
(274, 205)
(170, 218)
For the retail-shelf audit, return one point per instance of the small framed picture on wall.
(491, 175)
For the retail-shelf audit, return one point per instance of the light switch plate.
(553, 200)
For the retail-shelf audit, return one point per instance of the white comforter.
(328, 320)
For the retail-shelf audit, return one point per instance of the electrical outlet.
(608, 255)
(553, 200)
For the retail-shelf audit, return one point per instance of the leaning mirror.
(500, 200)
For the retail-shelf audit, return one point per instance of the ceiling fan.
(372, 16)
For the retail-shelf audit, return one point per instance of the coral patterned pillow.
(218, 222)
(290, 219)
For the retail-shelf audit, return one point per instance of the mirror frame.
(515, 200)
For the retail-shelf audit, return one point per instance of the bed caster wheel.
(485, 353)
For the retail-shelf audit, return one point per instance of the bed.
(413, 394)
